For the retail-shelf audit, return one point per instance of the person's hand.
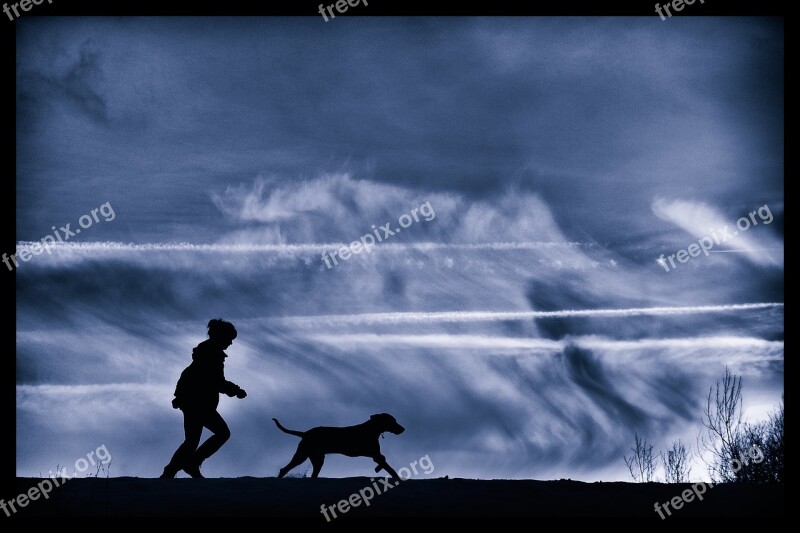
(241, 394)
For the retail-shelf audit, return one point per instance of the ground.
(431, 497)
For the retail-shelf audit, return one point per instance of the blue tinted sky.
(561, 158)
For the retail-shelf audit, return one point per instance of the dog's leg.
(383, 465)
(317, 461)
(297, 460)
(391, 471)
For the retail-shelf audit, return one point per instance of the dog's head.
(387, 422)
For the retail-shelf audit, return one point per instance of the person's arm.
(229, 387)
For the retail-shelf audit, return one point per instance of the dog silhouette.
(353, 441)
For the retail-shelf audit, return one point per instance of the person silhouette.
(197, 395)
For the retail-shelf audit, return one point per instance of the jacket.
(203, 380)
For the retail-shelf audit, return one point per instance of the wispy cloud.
(699, 219)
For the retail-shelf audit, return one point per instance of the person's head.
(221, 332)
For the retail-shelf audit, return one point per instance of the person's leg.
(216, 424)
(193, 430)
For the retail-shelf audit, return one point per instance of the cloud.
(339, 208)
(78, 85)
(700, 220)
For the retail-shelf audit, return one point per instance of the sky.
(524, 313)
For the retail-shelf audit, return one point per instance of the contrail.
(293, 248)
(773, 349)
(153, 389)
(491, 316)
(744, 251)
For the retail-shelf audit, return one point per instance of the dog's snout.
(399, 429)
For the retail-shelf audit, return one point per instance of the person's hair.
(218, 328)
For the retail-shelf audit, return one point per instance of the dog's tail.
(289, 431)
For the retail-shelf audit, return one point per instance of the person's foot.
(194, 471)
(168, 473)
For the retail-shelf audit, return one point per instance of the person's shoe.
(194, 471)
(169, 472)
